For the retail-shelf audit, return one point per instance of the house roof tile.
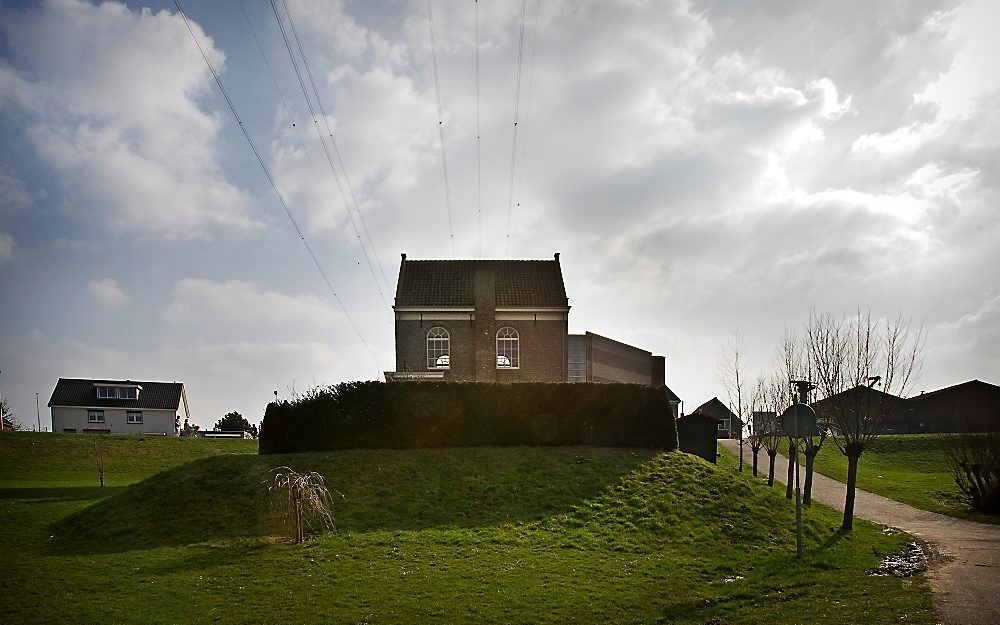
(83, 393)
(449, 283)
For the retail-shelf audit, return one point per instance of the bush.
(406, 415)
(974, 460)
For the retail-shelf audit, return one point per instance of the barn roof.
(450, 283)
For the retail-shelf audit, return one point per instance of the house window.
(724, 425)
(438, 349)
(117, 392)
(507, 348)
(133, 417)
(95, 416)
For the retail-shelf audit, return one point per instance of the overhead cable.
(444, 159)
(274, 185)
(527, 111)
(336, 150)
(517, 104)
(479, 152)
(326, 151)
(289, 115)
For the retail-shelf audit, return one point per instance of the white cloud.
(108, 292)
(974, 26)
(113, 98)
(6, 247)
(14, 198)
(244, 303)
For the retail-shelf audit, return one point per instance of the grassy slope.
(906, 467)
(510, 535)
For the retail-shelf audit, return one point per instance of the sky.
(704, 168)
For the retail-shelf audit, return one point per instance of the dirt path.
(965, 564)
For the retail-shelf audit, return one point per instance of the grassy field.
(906, 467)
(486, 535)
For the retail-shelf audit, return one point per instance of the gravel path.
(964, 568)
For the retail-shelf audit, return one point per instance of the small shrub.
(974, 459)
(302, 500)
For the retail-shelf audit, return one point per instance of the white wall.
(153, 421)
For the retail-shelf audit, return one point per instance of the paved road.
(964, 568)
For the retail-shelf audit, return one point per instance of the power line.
(288, 110)
(274, 185)
(336, 150)
(326, 150)
(444, 159)
(517, 104)
(479, 152)
(527, 109)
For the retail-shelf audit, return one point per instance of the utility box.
(696, 435)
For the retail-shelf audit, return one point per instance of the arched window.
(438, 349)
(507, 348)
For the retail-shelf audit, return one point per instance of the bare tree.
(849, 357)
(756, 425)
(302, 499)
(796, 364)
(99, 454)
(732, 374)
(774, 401)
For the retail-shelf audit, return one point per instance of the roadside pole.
(798, 498)
(799, 420)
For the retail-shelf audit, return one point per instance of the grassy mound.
(484, 535)
(224, 496)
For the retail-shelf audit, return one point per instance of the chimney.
(557, 257)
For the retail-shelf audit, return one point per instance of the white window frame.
(95, 416)
(438, 344)
(509, 345)
(133, 416)
(724, 425)
(117, 392)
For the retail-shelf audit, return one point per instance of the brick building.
(481, 320)
(503, 321)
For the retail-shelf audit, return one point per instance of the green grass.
(910, 468)
(485, 535)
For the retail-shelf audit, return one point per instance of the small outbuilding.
(696, 434)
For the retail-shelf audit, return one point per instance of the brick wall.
(411, 345)
(542, 348)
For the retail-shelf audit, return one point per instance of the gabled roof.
(671, 396)
(83, 393)
(449, 283)
(954, 387)
(716, 408)
(868, 394)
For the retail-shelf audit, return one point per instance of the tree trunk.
(770, 474)
(790, 480)
(810, 460)
(741, 452)
(852, 483)
(298, 522)
(756, 452)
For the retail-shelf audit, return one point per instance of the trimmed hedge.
(405, 415)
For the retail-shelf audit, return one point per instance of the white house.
(118, 407)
